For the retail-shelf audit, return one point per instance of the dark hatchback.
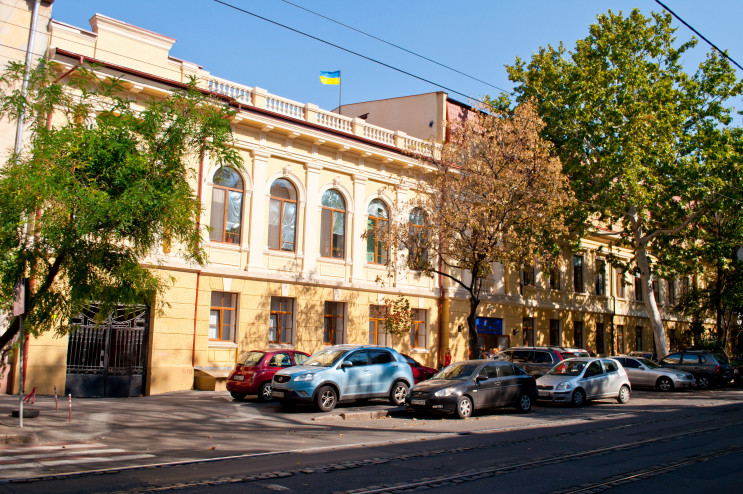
(464, 387)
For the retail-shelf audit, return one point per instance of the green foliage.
(640, 138)
(103, 183)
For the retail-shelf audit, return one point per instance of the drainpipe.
(198, 273)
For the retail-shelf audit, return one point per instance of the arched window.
(417, 240)
(377, 222)
(282, 216)
(333, 225)
(227, 205)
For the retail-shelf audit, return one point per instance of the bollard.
(56, 403)
(70, 398)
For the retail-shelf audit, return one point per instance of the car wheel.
(579, 398)
(464, 407)
(664, 384)
(326, 399)
(398, 393)
(237, 396)
(623, 396)
(264, 392)
(525, 403)
(703, 382)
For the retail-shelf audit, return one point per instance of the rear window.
(566, 355)
(610, 366)
(299, 358)
(380, 357)
(250, 359)
(542, 357)
(673, 358)
(521, 356)
(690, 359)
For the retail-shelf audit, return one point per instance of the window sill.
(282, 253)
(333, 260)
(419, 351)
(224, 245)
(280, 346)
(222, 344)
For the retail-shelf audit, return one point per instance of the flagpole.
(340, 84)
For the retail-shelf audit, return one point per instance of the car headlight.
(564, 385)
(444, 392)
(681, 376)
(305, 377)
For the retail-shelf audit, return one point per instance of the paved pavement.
(202, 426)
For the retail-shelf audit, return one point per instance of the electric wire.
(379, 62)
(724, 54)
(398, 47)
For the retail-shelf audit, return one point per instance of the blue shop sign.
(489, 325)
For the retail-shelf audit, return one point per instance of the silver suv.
(535, 360)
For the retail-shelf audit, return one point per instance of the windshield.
(458, 371)
(568, 368)
(649, 363)
(325, 358)
(250, 359)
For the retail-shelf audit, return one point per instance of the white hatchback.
(576, 380)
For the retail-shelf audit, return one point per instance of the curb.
(377, 414)
(18, 437)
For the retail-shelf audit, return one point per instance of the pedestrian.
(447, 358)
(494, 353)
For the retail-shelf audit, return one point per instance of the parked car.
(708, 368)
(575, 352)
(254, 372)
(579, 379)
(464, 387)
(648, 355)
(345, 372)
(644, 373)
(535, 360)
(420, 371)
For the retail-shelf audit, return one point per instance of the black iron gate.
(107, 359)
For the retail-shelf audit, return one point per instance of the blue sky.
(477, 37)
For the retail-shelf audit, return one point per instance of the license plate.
(238, 378)
(277, 394)
(417, 402)
(544, 395)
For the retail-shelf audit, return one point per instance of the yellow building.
(288, 267)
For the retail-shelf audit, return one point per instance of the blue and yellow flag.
(333, 78)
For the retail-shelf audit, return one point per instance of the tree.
(494, 196)
(104, 183)
(631, 128)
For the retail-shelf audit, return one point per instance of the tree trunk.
(659, 334)
(474, 349)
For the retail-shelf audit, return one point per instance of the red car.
(420, 372)
(254, 371)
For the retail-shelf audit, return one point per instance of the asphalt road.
(204, 442)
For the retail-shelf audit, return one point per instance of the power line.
(397, 46)
(698, 33)
(349, 51)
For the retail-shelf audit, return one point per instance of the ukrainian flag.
(333, 78)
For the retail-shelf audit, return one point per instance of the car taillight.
(717, 369)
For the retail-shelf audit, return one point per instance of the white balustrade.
(285, 107)
(334, 121)
(238, 92)
(378, 134)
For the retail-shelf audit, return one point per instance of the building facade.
(288, 266)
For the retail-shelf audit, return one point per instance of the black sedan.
(472, 385)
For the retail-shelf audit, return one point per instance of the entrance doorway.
(107, 359)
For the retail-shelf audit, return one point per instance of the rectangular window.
(223, 316)
(638, 289)
(578, 274)
(281, 325)
(528, 276)
(377, 334)
(333, 326)
(418, 331)
(638, 338)
(600, 278)
(656, 292)
(600, 350)
(555, 332)
(620, 339)
(555, 278)
(684, 287)
(620, 283)
(578, 334)
(671, 292)
(528, 329)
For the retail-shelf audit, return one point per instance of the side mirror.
(346, 364)
(480, 379)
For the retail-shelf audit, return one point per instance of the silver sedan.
(645, 373)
